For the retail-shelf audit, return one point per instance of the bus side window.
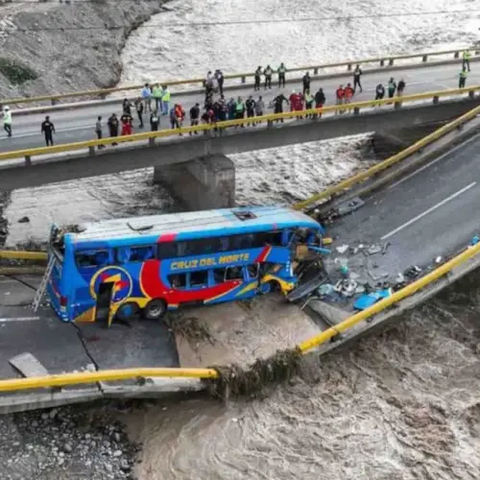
(253, 270)
(199, 279)
(92, 258)
(178, 280)
(234, 273)
(219, 275)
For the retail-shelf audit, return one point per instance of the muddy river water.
(403, 404)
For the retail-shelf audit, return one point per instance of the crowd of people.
(155, 101)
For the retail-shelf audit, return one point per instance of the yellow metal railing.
(382, 61)
(23, 255)
(270, 118)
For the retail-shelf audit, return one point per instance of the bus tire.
(127, 311)
(155, 309)
(270, 286)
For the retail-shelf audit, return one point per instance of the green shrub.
(15, 72)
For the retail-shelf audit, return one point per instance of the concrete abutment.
(200, 184)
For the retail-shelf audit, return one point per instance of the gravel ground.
(69, 443)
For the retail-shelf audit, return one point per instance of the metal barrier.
(388, 60)
(379, 167)
(23, 255)
(354, 108)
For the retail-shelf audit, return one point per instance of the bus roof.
(189, 225)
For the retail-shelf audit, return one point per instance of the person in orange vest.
(340, 97)
(348, 93)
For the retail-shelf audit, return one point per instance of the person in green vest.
(281, 74)
(462, 78)
(165, 99)
(391, 88)
(239, 109)
(466, 60)
(308, 102)
(157, 94)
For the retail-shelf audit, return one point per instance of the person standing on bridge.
(401, 87)
(194, 116)
(239, 110)
(462, 78)
(127, 124)
(319, 101)
(154, 121)
(306, 82)
(157, 94)
(220, 80)
(340, 98)
(259, 107)
(139, 109)
(7, 121)
(48, 128)
(278, 105)
(379, 92)
(147, 97)
(268, 72)
(113, 126)
(250, 105)
(282, 70)
(98, 131)
(391, 87)
(357, 73)
(466, 60)
(127, 106)
(258, 78)
(165, 99)
(349, 91)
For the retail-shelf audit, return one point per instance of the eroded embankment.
(49, 48)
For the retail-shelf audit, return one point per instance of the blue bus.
(148, 265)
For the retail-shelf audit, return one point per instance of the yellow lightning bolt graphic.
(115, 279)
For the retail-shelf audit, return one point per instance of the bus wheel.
(155, 309)
(269, 287)
(127, 311)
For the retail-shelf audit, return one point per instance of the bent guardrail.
(219, 127)
(346, 184)
(386, 60)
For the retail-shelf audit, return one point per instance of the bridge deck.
(78, 125)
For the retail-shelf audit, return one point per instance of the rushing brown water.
(401, 405)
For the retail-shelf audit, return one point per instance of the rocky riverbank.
(67, 443)
(53, 47)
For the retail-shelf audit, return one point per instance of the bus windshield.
(149, 265)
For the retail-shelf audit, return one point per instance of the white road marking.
(433, 162)
(430, 210)
(19, 319)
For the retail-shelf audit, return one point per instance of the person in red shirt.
(293, 99)
(348, 93)
(340, 97)
(127, 122)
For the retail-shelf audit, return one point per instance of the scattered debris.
(327, 241)
(400, 279)
(346, 287)
(350, 206)
(412, 272)
(475, 240)
(342, 248)
(374, 249)
(24, 220)
(438, 259)
(384, 248)
(368, 299)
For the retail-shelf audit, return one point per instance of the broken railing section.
(233, 380)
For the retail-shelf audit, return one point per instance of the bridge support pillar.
(202, 183)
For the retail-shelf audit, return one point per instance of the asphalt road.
(428, 214)
(65, 347)
(78, 124)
